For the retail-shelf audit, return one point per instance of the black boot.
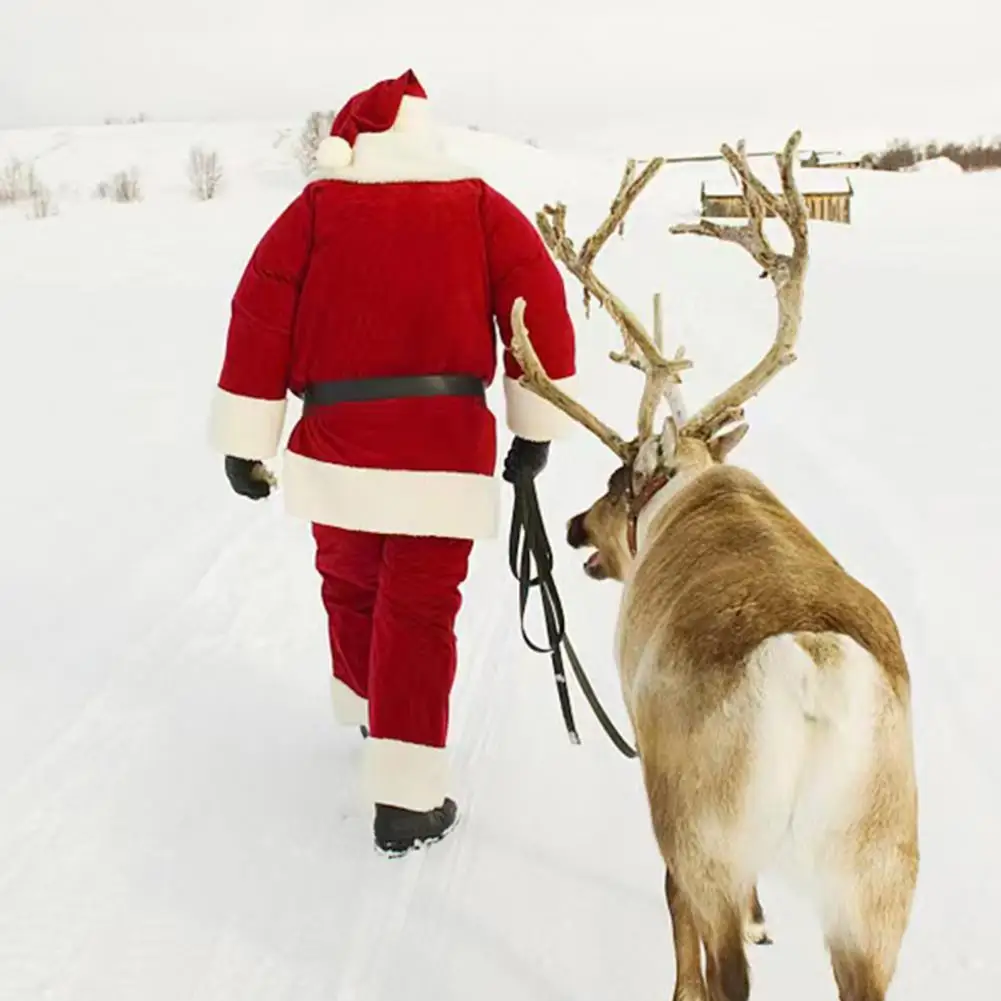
(398, 831)
(364, 731)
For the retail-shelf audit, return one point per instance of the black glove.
(525, 459)
(246, 477)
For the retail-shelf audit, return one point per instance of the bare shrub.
(127, 120)
(315, 129)
(121, 187)
(898, 155)
(973, 156)
(204, 173)
(976, 155)
(43, 203)
(18, 182)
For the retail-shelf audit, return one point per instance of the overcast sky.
(683, 74)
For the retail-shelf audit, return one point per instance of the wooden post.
(673, 393)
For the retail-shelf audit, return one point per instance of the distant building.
(826, 201)
(842, 161)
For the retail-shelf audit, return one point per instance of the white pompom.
(333, 152)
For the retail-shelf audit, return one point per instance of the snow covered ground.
(178, 816)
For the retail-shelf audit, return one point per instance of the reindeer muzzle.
(577, 537)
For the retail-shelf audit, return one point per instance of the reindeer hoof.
(757, 934)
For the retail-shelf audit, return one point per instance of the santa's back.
(394, 262)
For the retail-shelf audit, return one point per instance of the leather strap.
(325, 394)
(638, 503)
(528, 541)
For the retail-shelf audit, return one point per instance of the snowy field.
(179, 818)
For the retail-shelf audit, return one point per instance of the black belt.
(324, 394)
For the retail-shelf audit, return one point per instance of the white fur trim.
(395, 501)
(412, 776)
(350, 709)
(411, 154)
(531, 417)
(333, 152)
(414, 115)
(245, 426)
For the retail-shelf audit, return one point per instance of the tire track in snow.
(75, 786)
(481, 717)
(143, 653)
(134, 666)
(393, 885)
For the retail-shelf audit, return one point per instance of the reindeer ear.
(647, 459)
(655, 452)
(723, 444)
(669, 438)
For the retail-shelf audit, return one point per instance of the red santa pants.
(391, 603)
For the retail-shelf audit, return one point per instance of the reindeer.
(767, 688)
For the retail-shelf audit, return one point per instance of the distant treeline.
(901, 154)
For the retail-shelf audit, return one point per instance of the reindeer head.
(658, 464)
(611, 525)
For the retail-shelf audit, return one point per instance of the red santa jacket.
(398, 264)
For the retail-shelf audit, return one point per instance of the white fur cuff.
(412, 776)
(245, 426)
(350, 709)
(531, 417)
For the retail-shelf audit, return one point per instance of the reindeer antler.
(641, 350)
(786, 271)
(645, 352)
(536, 379)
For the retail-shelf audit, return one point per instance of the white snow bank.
(179, 816)
(938, 166)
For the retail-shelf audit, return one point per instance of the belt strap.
(324, 394)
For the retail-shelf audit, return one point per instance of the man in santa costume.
(374, 297)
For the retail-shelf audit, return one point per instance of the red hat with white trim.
(372, 110)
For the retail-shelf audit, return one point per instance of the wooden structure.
(838, 161)
(828, 203)
(717, 157)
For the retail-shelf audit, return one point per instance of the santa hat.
(374, 110)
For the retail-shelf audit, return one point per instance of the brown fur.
(743, 568)
(725, 567)
(823, 650)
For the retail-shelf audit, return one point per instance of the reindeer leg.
(718, 900)
(727, 973)
(755, 930)
(878, 897)
(689, 984)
